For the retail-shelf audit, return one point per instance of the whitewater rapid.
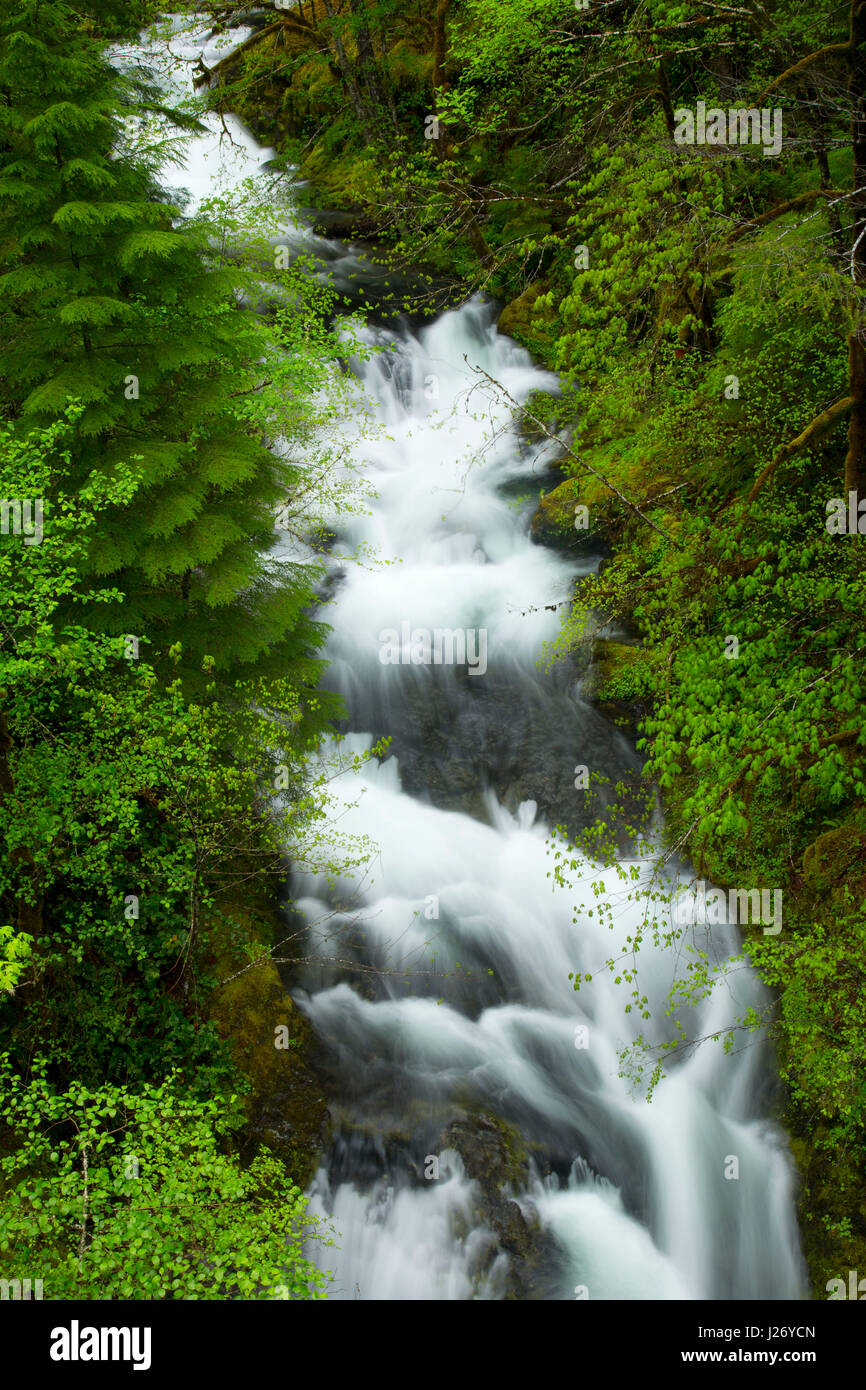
(633, 1195)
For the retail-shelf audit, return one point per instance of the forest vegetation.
(703, 305)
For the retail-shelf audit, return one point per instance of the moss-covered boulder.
(836, 859)
(620, 681)
(521, 319)
(271, 1042)
(617, 666)
(554, 521)
(831, 1207)
(494, 1156)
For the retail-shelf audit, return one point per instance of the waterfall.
(455, 1045)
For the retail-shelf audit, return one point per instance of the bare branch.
(556, 439)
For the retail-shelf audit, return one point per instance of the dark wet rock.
(493, 1156)
(455, 736)
(346, 224)
(252, 17)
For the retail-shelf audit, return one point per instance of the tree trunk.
(440, 49)
(666, 103)
(857, 95)
(367, 65)
(28, 915)
(857, 421)
(856, 357)
(389, 91)
(348, 78)
(824, 180)
(440, 44)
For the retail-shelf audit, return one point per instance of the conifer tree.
(108, 297)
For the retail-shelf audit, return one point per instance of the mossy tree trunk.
(348, 78)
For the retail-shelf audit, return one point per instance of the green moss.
(407, 66)
(621, 681)
(836, 859)
(621, 671)
(285, 1107)
(831, 1207)
(553, 522)
(520, 320)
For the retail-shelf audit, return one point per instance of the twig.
(557, 440)
(82, 1244)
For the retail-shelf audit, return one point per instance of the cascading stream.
(461, 1013)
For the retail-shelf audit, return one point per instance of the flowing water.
(439, 987)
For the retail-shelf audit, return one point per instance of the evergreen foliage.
(111, 297)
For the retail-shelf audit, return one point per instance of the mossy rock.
(337, 174)
(619, 681)
(520, 320)
(554, 520)
(494, 1156)
(832, 1208)
(829, 862)
(312, 90)
(613, 659)
(270, 1041)
(492, 1152)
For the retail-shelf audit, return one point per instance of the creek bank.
(273, 1047)
(356, 142)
